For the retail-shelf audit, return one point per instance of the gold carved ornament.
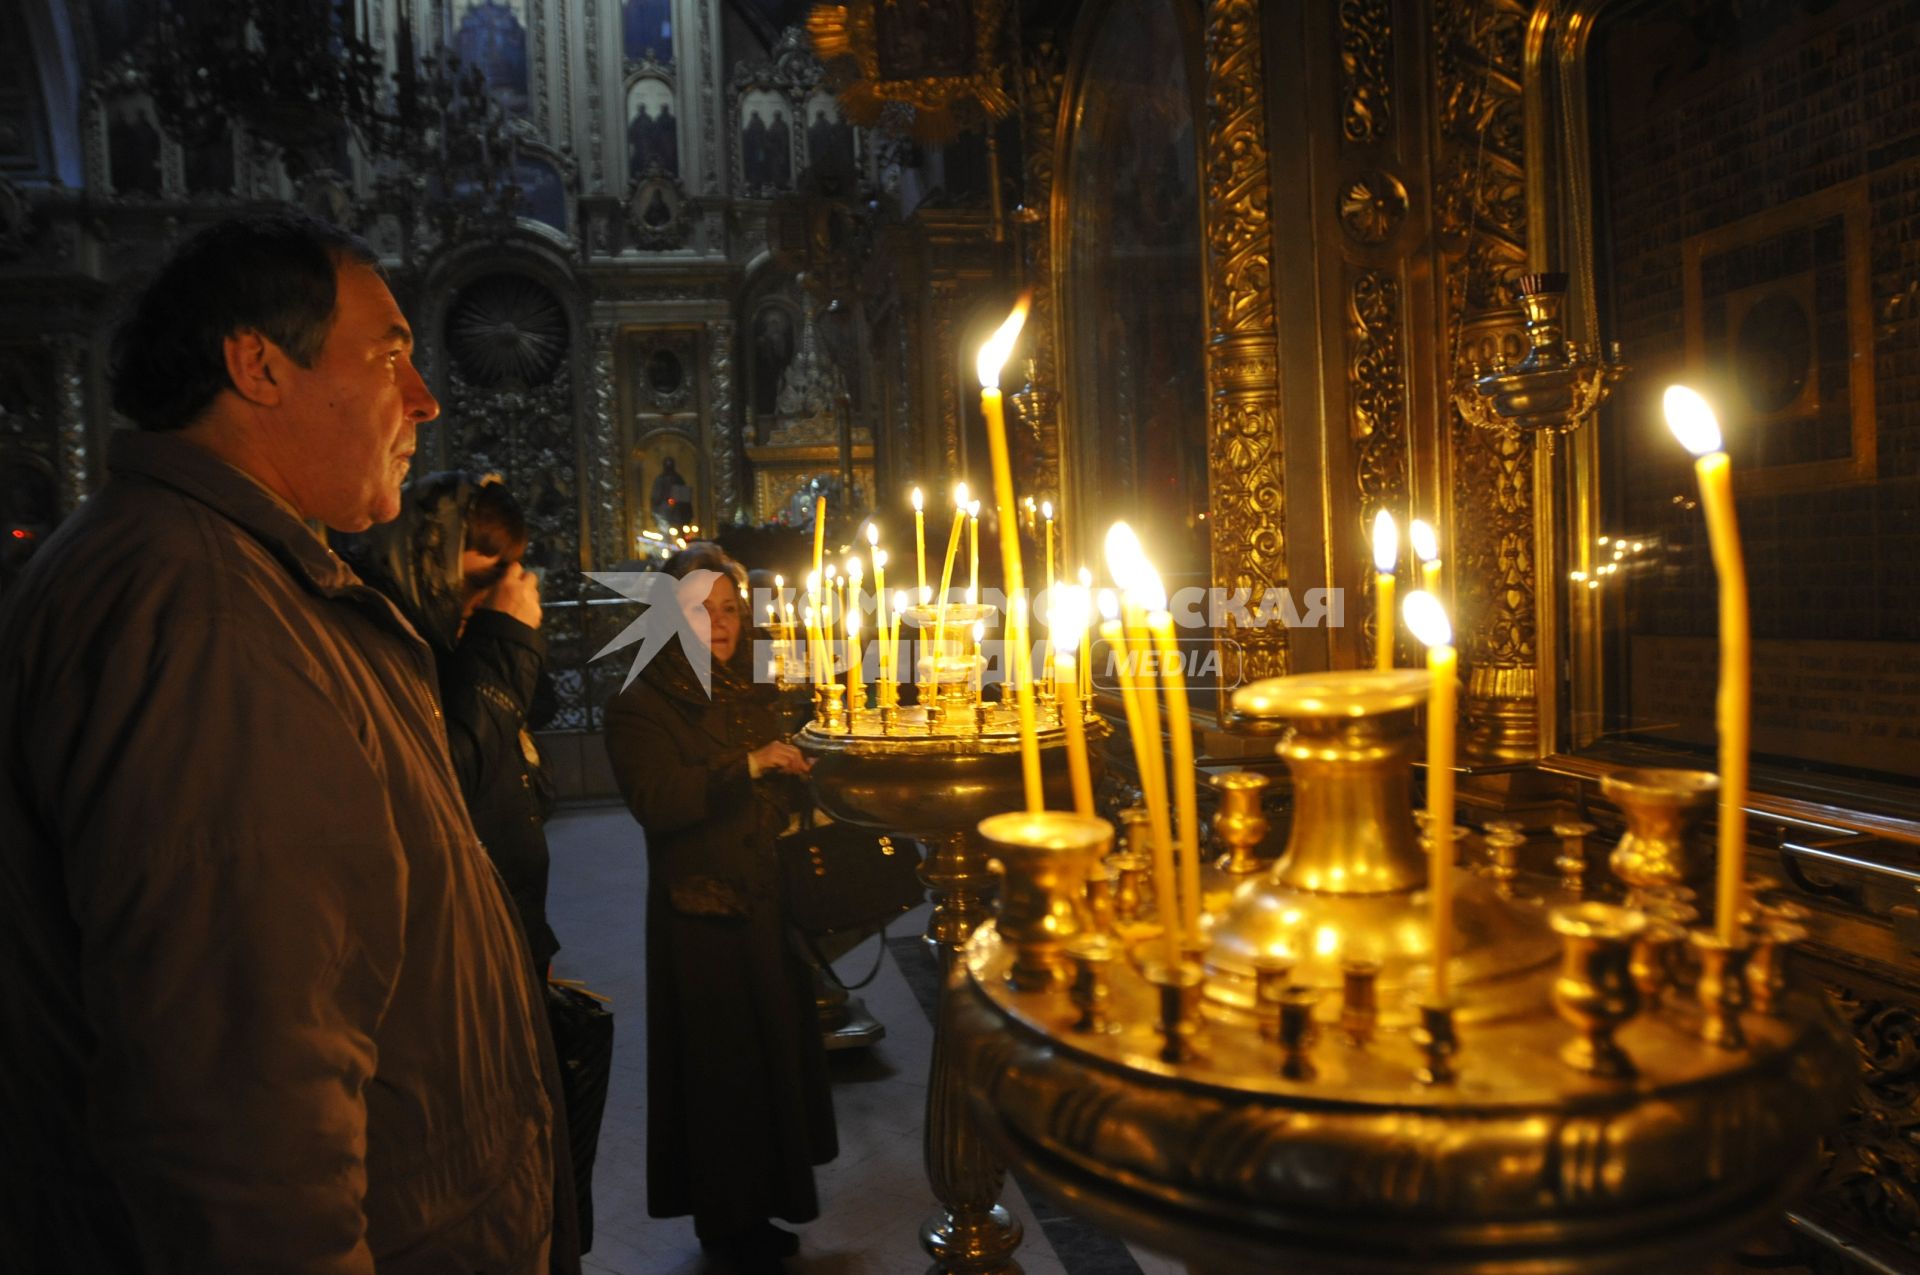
(1243, 382)
(938, 58)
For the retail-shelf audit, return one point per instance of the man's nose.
(421, 405)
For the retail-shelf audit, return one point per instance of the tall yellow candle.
(1046, 512)
(1173, 683)
(893, 641)
(856, 676)
(1164, 884)
(946, 576)
(819, 536)
(1127, 561)
(973, 546)
(1386, 553)
(1428, 620)
(1692, 421)
(920, 541)
(856, 689)
(993, 356)
(878, 557)
(1426, 547)
(1070, 623)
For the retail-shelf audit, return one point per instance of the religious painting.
(653, 129)
(1749, 220)
(832, 150)
(941, 58)
(766, 142)
(646, 31)
(773, 336)
(1135, 401)
(666, 477)
(492, 35)
(1779, 311)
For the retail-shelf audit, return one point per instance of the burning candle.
(1426, 547)
(856, 689)
(1386, 552)
(893, 642)
(946, 575)
(1069, 622)
(819, 536)
(1692, 421)
(973, 552)
(920, 540)
(878, 556)
(993, 356)
(1124, 559)
(1428, 621)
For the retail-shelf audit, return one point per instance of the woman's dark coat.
(738, 1108)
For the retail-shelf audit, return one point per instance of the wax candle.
(878, 557)
(1046, 512)
(1692, 421)
(1112, 632)
(819, 535)
(856, 689)
(1173, 684)
(1386, 553)
(1426, 547)
(1126, 560)
(1069, 621)
(946, 577)
(1428, 621)
(973, 552)
(1019, 671)
(893, 642)
(920, 541)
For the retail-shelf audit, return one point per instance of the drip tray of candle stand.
(845, 1021)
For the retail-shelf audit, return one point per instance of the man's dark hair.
(495, 524)
(274, 275)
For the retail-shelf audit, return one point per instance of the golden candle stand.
(1288, 1096)
(936, 782)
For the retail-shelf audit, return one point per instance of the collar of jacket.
(235, 495)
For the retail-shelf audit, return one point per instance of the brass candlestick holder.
(1322, 1111)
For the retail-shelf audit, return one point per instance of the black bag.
(583, 1038)
(841, 879)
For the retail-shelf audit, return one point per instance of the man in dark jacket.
(266, 1008)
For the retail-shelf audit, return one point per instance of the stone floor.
(874, 1196)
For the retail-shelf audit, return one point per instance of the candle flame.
(873, 533)
(899, 601)
(1691, 419)
(1426, 545)
(1427, 619)
(979, 632)
(853, 620)
(813, 583)
(1135, 575)
(973, 510)
(853, 569)
(779, 583)
(1086, 578)
(918, 500)
(993, 355)
(879, 559)
(1046, 510)
(1386, 542)
(960, 495)
(1071, 610)
(832, 571)
(1109, 605)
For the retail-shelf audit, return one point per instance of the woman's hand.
(778, 756)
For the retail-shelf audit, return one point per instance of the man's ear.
(251, 363)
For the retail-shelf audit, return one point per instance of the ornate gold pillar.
(1245, 459)
(1481, 213)
(1044, 78)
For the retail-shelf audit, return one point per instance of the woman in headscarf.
(738, 1109)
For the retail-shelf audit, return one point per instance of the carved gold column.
(1481, 208)
(1243, 381)
(1044, 77)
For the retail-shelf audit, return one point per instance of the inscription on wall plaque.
(1854, 704)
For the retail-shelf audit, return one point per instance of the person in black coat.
(738, 1107)
(451, 564)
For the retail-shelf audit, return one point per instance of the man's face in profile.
(349, 421)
